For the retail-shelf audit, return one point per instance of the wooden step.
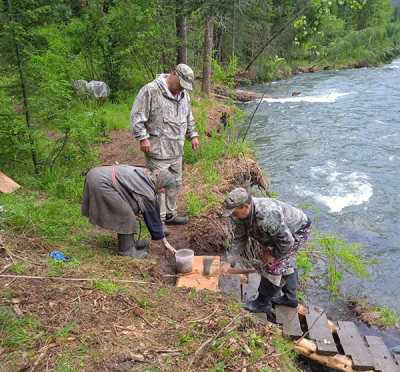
(320, 332)
(382, 357)
(196, 279)
(355, 346)
(289, 318)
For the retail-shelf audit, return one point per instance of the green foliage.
(209, 172)
(387, 317)
(218, 367)
(106, 286)
(339, 257)
(285, 347)
(52, 219)
(16, 331)
(225, 75)
(65, 331)
(194, 204)
(18, 268)
(72, 360)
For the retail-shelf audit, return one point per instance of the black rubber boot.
(262, 304)
(176, 220)
(142, 244)
(289, 297)
(127, 246)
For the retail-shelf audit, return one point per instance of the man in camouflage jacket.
(267, 234)
(161, 118)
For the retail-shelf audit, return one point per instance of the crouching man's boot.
(263, 304)
(127, 246)
(260, 305)
(289, 297)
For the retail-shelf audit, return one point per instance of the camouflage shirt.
(162, 118)
(271, 223)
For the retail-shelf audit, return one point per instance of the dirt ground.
(207, 234)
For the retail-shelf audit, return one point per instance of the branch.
(205, 345)
(74, 279)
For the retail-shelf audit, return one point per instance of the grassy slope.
(104, 324)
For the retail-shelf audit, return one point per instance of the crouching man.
(267, 234)
(114, 196)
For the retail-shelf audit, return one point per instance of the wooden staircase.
(336, 345)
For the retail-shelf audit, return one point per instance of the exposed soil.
(207, 234)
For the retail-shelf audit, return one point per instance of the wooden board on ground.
(288, 317)
(320, 332)
(382, 357)
(7, 185)
(196, 279)
(354, 346)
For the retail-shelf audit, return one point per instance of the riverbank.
(99, 311)
(105, 323)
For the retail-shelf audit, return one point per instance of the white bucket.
(184, 260)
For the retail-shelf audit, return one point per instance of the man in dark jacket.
(267, 234)
(114, 195)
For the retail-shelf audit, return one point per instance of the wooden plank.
(196, 279)
(320, 332)
(382, 357)
(7, 185)
(288, 317)
(354, 346)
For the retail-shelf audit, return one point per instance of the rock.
(361, 64)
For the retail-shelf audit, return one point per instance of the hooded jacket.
(162, 118)
(271, 223)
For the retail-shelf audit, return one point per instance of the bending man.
(161, 118)
(267, 234)
(114, 195)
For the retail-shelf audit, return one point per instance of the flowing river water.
(336, 146)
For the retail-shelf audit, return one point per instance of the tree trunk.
(207, 56)
(24, 92)
(181, 34)
(234, 28)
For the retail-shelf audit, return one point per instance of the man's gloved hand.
(145, 145)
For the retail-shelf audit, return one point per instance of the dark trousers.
(267, 290)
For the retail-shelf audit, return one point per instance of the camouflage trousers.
(168, 203)
(281, 267)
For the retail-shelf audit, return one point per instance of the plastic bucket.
(184, 260)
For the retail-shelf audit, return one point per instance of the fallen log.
(308, 349)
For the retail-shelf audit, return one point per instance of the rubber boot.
(176, 220)
(127, 247)
(263, 304)
(141, 243)
(289, 297)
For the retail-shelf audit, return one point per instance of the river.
(337, 146)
